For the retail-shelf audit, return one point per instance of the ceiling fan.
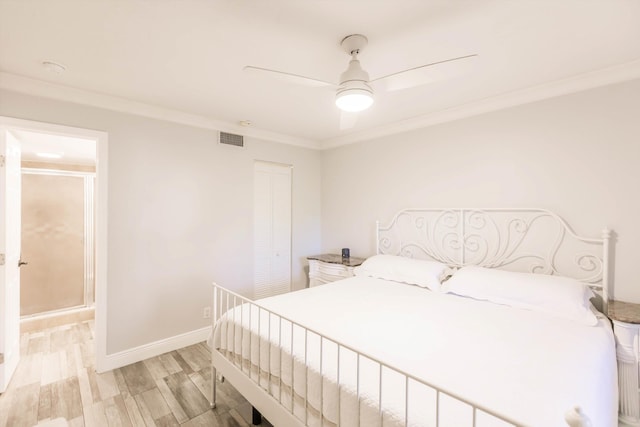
(355, 90)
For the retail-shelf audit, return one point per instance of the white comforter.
(523, 365)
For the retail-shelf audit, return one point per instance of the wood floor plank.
(24, 408)
(58, 401)
(230, 394)
(122, 384)
(44, 403)
(169, 363)
(66, 401)
(60, 339)
(133, 411)
(144, 410)
(184, 366)
(86, 396)
(167, 421)
(107, 385)
(29, 371)
(203, 384)
(115, 412)
(138, 378)
(24, 344)
(122, 409)
(203, 348)
(71, 391)
(111, 412)
(239, 419)
(172, 402)
(187, 394)
(78, 357)
(156, 368)
(58, 379)
(93, 383)
(50, 368)
(204, 420)
(72, 364)
(6, 401)
(156, 404)
(95, 416)
(88, 359)
(86, 329)
(37, 345)
(76, 422)
(62, 355)
(76, 333)
(194, 357)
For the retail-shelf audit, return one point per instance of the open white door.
(10, 205)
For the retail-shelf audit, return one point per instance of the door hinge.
(1, 259)
(1, 161)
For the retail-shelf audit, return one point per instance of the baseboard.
(136, 354)
(58, 318)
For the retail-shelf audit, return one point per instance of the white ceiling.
(76, 151)
(188, 55)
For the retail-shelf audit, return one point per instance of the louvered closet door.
(272, 229)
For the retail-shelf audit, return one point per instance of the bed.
(430, 332)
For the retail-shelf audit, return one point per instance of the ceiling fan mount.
(354, 43)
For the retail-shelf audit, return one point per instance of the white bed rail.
(227, 306)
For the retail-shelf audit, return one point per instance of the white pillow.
(554, 295)
(427, 274)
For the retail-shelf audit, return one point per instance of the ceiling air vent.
(231, 139)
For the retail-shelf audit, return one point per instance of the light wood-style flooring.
(56, 377)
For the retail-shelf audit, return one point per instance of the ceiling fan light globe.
(354, 100)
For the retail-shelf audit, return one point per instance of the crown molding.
(606, 76)
(29, 86)
(611, 75)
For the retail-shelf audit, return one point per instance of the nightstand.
(327, 268)
(626, 327)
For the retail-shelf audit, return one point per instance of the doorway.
(10, 130)
(57, 278)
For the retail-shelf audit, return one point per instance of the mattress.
(524, 365)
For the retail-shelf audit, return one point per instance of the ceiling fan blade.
(288, 77)
(348, 120)
(427, 73)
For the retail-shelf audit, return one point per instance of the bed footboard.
(295, 376)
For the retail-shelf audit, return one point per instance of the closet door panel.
(272, 229)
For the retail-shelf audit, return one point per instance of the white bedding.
(522, 364)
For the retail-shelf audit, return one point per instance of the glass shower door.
(56, 241)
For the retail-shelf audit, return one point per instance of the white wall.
(577, 155)
(180, 215)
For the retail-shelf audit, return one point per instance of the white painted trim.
(145, 351)
(17, 83)
(101, 260)
(101, 139)
(580, 82)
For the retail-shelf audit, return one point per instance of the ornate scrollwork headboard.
(526, 240)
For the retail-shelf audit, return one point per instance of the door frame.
(101, 175)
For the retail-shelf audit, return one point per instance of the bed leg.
(256, 417)
(213, 387)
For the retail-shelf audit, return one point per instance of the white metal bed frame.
(532, 240)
